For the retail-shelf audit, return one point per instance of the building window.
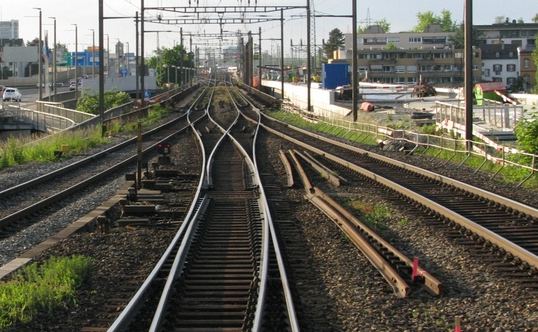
(497, 69)
(486, 72)
(511, 81)
(497, 54)
(497, 79)
(511, 67)
(526, 64)
(415, 39)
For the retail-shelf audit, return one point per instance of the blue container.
(334, 74)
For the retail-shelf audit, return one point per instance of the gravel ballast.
(364, 301)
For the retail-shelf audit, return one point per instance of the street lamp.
(93, 52)
(40, 50)
(76, 59)
(107, 53)
(54, 61)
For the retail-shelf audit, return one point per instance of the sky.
(400, 13)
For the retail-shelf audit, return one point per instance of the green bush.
(90, 103)
(41, 288)
(527, 134)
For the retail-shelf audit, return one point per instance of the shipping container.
(334, 74)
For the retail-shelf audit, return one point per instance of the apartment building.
(500, 63)
(408, 57)
(511, 34)
(527, 68)
(442, 67)
(9, 29)
(375, 39)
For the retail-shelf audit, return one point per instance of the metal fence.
(500, 155)
(41, 121)
(495, 115)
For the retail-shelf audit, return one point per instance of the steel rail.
(128, 313)
(191, 224)
(349, 225)
(466, 223)
(505, 201)
(46, 177)
(290, 307)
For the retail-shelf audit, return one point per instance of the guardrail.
(42, 121)
(56, 109)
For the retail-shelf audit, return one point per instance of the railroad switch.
(164, 150)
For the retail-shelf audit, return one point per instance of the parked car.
(11, 94)
(73, 87)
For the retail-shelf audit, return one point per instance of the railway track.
(24, 202)
(504, 231)
(218, 277)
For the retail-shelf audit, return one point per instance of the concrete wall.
(118, 84)
(322, 100)
(526, 99)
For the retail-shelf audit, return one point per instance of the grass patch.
(324, 128)
(16, 151)
(507, 174)
(155, 114)
(374, 215)
(41, 288)
(21, 151)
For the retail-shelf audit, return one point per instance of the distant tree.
(384, 25)
(391, 47)
(335, 41)
(34, 42)
(520, 20)
(500, 19)
(458, 39)
(535, 58)
(428, 18)
(425, 19)
(535, 18)
(446, 22)
(168, 57)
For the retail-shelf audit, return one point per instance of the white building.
(500, 63)
(375, 39)
(9, 29)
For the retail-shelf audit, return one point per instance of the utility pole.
(40, 56)
(142, 71)
(93, 52)
(181, 36)
(107, 54)
(101, 69)
(468, 72)
(137, 69)
(282, 54)
(76, 59)
(354, 75)
(260, 57)
(127, 59)
(308, 60)
(54, 60)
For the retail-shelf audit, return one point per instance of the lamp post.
(54, 60)
(76, 59)
(107, 53)
(40, 56)
(127, 59)
(93, 52)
